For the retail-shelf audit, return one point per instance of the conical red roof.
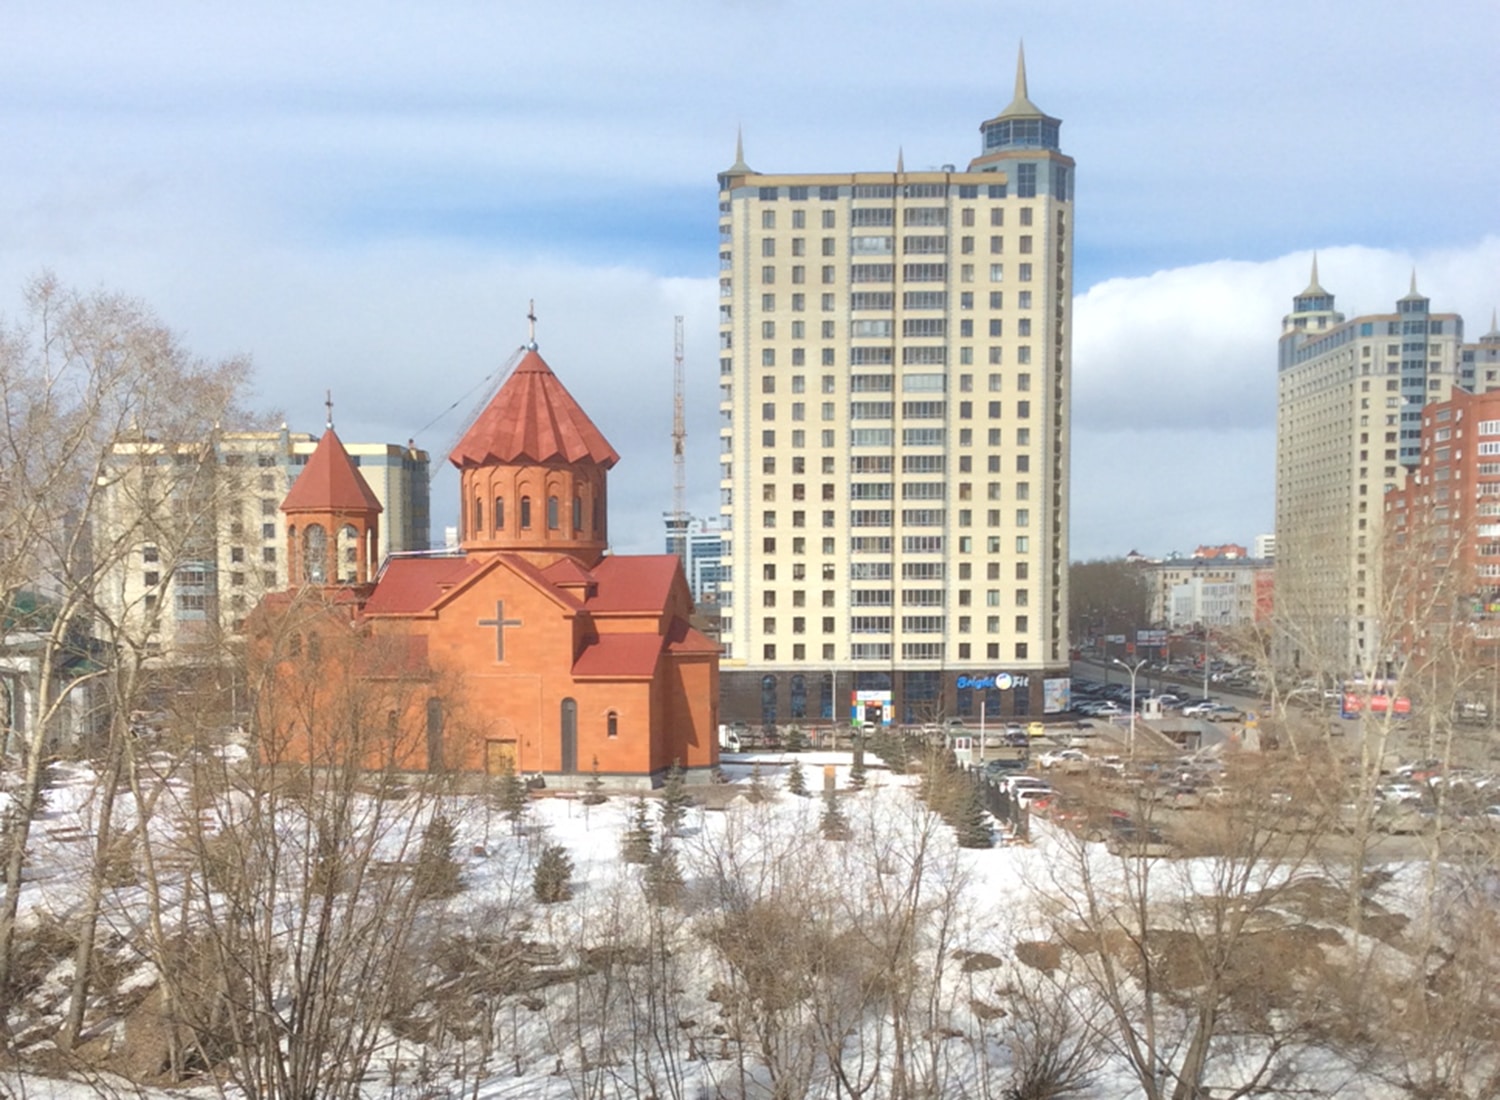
(330, 482)
(533, 419)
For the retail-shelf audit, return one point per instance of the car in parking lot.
(1069, 761)
(1127, 838)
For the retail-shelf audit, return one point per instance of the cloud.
(1174, 385)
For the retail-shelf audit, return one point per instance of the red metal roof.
(634, 582)
(533, 419)
(620, 655)
(411, 585)
(330, 482)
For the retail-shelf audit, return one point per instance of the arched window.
(478, 516)
(799, 696)
(526, 513)
(348, 555)
(314, 554)
(612, 724)
(768, 700)
(552, 517)
(577, 515)
(499, 514)
(294, 645)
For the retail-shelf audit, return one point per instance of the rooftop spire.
(900, 159)
(739, 167)
(328, 405)
(1020, 104)
(1413, 280)
(531, 324)
(1313, 286)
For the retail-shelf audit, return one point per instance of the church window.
(552, 518)
(577, 515)
(478, 516)
(499, 513)
(294, 645)
(315, 554)
(612, 724)
(314, 648)
(525, 513)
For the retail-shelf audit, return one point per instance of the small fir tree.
(636, 842)
(593, 789)
(510, 797)
(552, 881)
(972, 821)
(833, 825)
(437, 872)
(757, 791)
(796, 740)
(662, 881)
(796, 782)
(858, 777)
(675, 800)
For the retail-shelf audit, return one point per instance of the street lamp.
(1132, 669)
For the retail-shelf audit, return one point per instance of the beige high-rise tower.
(894, 402)
(1349, 402)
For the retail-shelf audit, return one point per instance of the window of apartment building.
(997, 215)
(268, 530)
(827, 304)
(799, 217)
(768, 274)
(830, 219)
(268, 555)
(1022, 649)
(768, 219)
(1024, 275)
(799, 303)
(768, 357)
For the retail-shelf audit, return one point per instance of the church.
(530, 648)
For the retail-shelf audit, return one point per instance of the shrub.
(636, 842)
(552, 880)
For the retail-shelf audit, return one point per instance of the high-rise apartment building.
(699, 543)
(207, 546)
(895, 392)
(1350, 395)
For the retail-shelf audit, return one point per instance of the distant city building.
(201, 589)
(1350, 395)
(1443, 526)
(1218, 592)
(894, 377)
(700, 545)
(1227, 550)
(1265, 547)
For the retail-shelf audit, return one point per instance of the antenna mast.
(678, 519)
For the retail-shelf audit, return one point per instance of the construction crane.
(677, 518)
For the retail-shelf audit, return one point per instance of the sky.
(365, 197)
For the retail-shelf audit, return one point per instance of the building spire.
(1314, 287)
(328, 405)
(900, 160)
(1413, 290)
(1021, 105)
(531, 324)
(739, 167)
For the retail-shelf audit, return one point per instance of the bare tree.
(82, 373)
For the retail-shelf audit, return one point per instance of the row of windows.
(885, 245)
(525, 517)
(910, 651)
(885, 273)
(884, 356)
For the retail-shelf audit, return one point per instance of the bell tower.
(332, 518)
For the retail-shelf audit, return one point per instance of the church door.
(569, 736)
(499, 757)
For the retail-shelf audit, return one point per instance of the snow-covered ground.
(698, 1006)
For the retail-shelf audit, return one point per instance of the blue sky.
(364, 197)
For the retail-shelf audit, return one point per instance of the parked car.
(1127, 838)
(1069, 761)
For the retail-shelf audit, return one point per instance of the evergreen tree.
(796, 782)
(796, 740)
(636, 842)
(972, 822)
(437, 871)
(757, 791)
(857, 774)
(833, 824)
(593, 789)
(553, 879)
(675, 800)
(663, 878)
(510, 798)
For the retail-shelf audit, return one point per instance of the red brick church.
(531, 645)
